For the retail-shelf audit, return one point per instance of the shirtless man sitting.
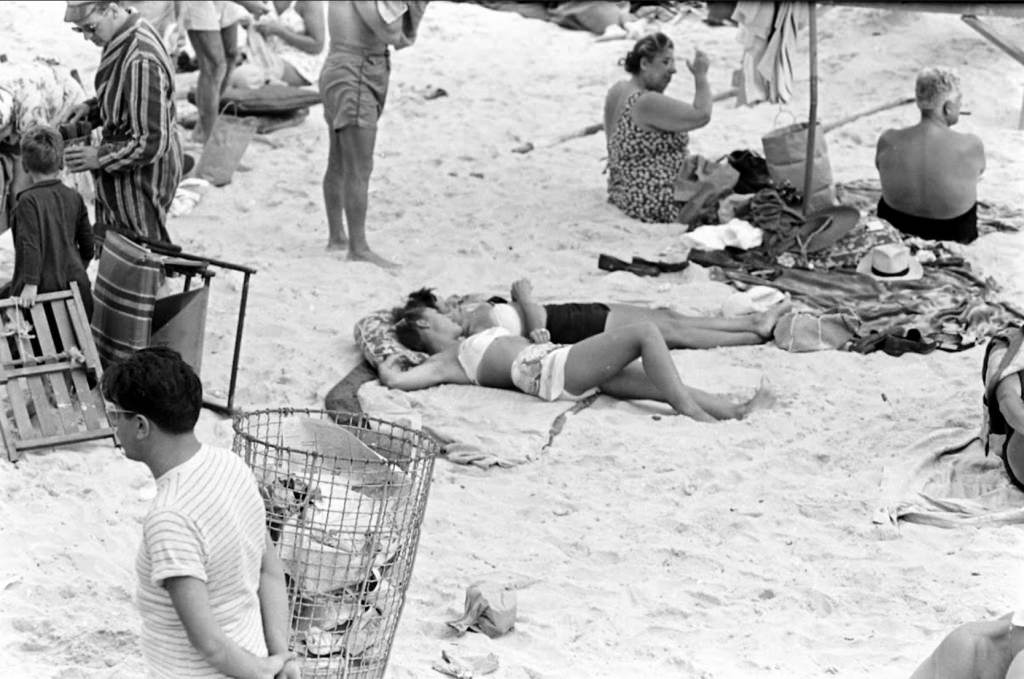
(930, 173)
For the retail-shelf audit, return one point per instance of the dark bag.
(753, 171)
(995, 424)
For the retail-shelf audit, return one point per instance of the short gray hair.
(935, 84)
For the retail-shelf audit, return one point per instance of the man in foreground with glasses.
(211, 590)
(138, 162)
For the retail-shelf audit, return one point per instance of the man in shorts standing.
(212, 27)
(354, 86)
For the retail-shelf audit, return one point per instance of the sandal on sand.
(609, 263)
(912, 342)
(663, 267)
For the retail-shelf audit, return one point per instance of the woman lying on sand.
(494, 357)
(573, 322)
(647, 132)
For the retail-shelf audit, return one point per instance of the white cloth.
(769, 41)
(736, 233)
(752, 300)
(207, 522)
(308, 65)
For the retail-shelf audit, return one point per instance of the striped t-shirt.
(207, 522)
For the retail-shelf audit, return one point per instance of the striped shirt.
(207, 522)
(140, 153)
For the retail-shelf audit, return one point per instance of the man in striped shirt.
(211, 588)
(138, 162)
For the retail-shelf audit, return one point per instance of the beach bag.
(800, 331)
(224, 149)
(785, 152)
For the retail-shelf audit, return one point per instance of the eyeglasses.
(114, 411)
(88, 29)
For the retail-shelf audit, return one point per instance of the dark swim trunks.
(963, 229)
(570, 323)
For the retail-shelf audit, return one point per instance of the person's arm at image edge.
(312, 41)
(1011, 403)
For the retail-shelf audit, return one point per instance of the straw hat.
(891, 262)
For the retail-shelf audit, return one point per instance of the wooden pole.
(812, 116)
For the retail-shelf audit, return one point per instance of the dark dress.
(643, 166)
(53, 240)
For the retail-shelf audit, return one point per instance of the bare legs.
(346, 183)
(213, 69)
(977, 650)
(603, 360)
(696, 332)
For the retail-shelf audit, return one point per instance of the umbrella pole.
(812, 117)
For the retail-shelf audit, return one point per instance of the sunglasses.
(87, 29)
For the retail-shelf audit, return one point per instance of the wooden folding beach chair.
(50, 371)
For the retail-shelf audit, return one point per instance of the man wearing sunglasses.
(211, 590)
(137, 163)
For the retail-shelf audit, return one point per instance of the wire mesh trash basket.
(344, 507)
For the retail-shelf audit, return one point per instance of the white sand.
(640, 548)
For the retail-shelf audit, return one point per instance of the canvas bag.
(785, 151)
(800, 331)
(224, 149)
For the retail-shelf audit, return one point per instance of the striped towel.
(124, 296)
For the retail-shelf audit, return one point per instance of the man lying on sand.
(930, 173)
(496, 358)
(572, 322)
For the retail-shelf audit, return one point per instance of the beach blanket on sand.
(946, 480)
(945, 301)
(476, 425)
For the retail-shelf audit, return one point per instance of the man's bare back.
(357, 24)
(928, 170)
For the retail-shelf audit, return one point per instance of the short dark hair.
(406, 328)
(421, 297)
(158, 383)
(647, 47)
(42, 150)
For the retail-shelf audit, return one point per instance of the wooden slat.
(41, 369)
(43, 413)
(51, 441)
(15, 392)
(85, 342)
(87, 398)
(61, 396)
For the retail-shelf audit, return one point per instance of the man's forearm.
(274, 611)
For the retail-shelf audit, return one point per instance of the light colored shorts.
(209, 15)
(354, 86)
(539, 370)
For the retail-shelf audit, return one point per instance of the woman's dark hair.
(421, 297)
(647, 47)
(158, 383)
(406, 329)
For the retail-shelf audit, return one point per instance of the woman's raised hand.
(699, 65)
(522, 290)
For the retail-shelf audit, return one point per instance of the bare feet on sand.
(371, 257)
(762, 400)
(766, 320)
(335, 244)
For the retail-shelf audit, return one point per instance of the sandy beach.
(640, 545)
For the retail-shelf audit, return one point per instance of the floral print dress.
(642, 167)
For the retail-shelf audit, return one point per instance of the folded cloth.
(736, 233)
(489, 609)
(948, 481)
(751, 301)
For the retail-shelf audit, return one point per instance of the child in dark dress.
(53, 240)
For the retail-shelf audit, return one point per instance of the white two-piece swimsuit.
(538, 370)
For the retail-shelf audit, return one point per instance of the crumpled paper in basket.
(489, 609)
